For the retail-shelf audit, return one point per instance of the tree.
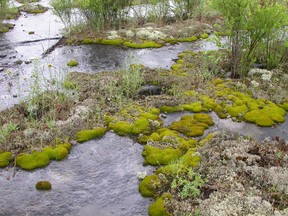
(253, 25)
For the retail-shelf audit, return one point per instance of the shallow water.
(98, 178)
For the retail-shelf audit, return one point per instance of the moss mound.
(32, 161)
(193, 125)
(172, 170)
(72, 63)
(85, 135)
(156, 156)
(158, 207)
(148, 185)
(58, 153)
(43, 185)
(5, 158)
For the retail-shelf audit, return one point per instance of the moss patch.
(148, 185)
(86, 135)
(43, 185)
(156, 156)
(158, 207)
(5, 158)
(145, 44)
(72, 63)
(193, 126)
(32, 161)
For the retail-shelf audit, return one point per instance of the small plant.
(188, 186)
(72, 63)
(5, 132)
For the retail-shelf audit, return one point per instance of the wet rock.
(150, 90)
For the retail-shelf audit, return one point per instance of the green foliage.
(43, 185)
(253, 33)
(189, 185)
(32, 161)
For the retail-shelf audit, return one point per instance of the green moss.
(217, 81)
(5, 158)
(206, 139)
(43, 185)
(154, 111)
(158, 207)
(149, 185)
(72, 63)
(193, 107)
(188, 39)
(156, 156)
(86, 135)
(115, 42)
(190, 158)
(32, 161)
(284, 106)
(139, 126)
(171, 41)
(58, 153)
(145, 44)
(204, 118)
(209, 103)
(172, 170)
(259, 117)
(148, 115)
(193, 126)
(121, 128)
(236, 111)
(169, 109)
(204, 36)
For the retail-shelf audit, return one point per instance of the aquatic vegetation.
(85, 135)
(43, 185)
(72, 63)
(5, 158)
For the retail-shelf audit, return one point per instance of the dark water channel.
(98, 178)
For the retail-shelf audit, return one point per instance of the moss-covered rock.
(43, 185)
(158, 207)
(236, 111)
(32, 161)
(140, 125)
(86, 135)
(5, 158)
(33, 9)
(204, 118)
(204, 36)
(149, 185)
(156, 156)
(121, 128)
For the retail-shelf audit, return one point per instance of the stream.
(99, 177)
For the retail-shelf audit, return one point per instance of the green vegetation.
(72, 63)
(5, 158)
(243, 19)
(86, 135)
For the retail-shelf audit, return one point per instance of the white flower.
(141, 175)
(266, 76)
(254, 83)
